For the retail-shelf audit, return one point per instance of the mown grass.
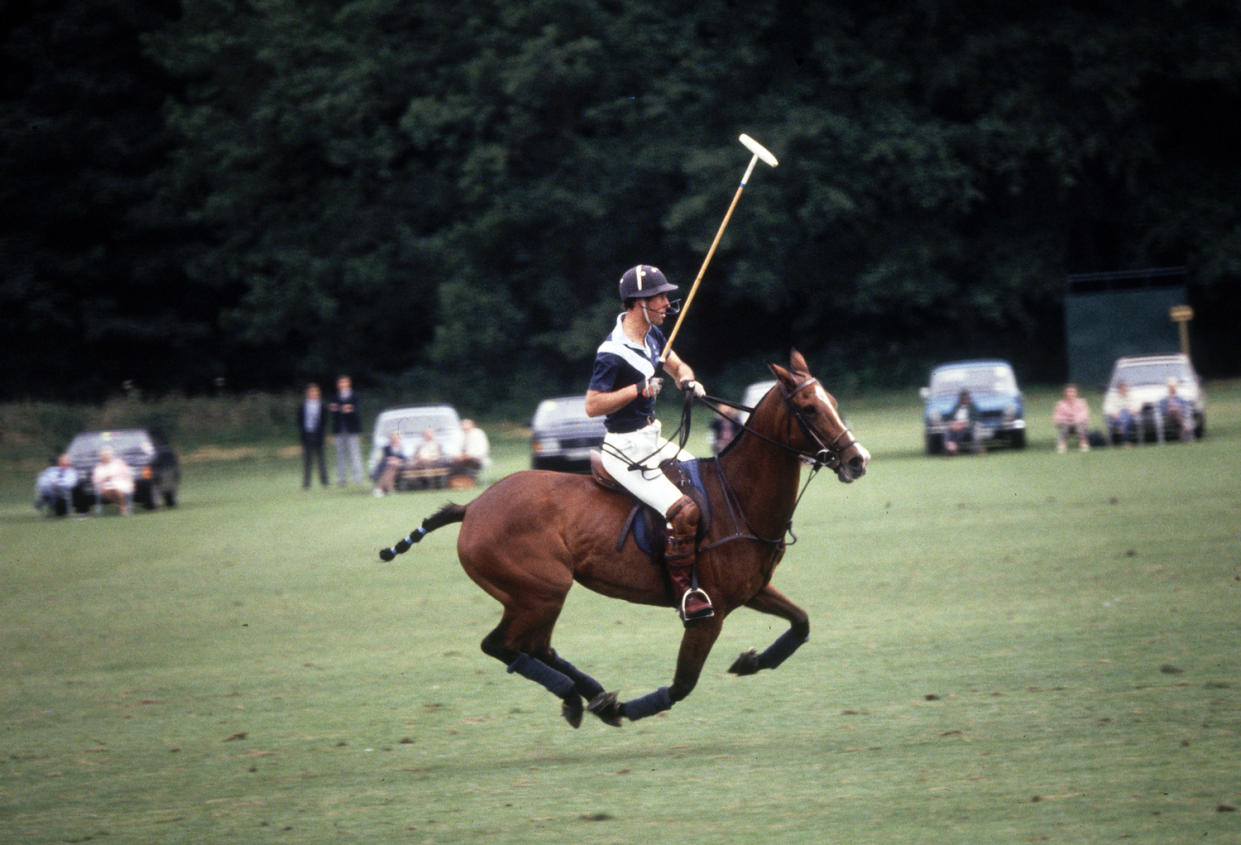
(1015, 647)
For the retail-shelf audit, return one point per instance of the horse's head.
(815, 426)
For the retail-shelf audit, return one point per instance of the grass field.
(1016, 647)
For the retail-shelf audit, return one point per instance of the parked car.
(156, 468)
(412, 421)
(993, 390)
(754, 394)
(561, 435)
(1147, 378)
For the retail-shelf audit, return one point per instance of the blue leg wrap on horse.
(586, 685)
(648, 705)
(776, 653)
(536, 670)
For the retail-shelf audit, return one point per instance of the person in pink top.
(1071, 416)
(113, 480)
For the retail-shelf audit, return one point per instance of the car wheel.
(1201, 428)
(1017, 439)
(934, 444)
(170, 497)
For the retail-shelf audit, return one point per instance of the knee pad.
(683, 517)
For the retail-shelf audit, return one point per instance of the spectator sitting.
(54, 487)
(1071, 416)
(475, 451)
(723, 429)
(390, 463)
(114, 481)
(961, 424)
(1122, 426)
(1177, 412)
(429, 452)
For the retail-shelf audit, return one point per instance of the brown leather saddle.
(648, 527)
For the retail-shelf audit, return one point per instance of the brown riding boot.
(680, 556)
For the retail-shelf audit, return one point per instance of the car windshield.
(755, 392)
(413, 423)
(990, 378)
(565, 409)
(128, 444)
(1150, 372)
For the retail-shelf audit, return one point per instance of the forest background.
(213, 195)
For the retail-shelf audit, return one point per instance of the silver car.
(1147, 378)
(562, 435)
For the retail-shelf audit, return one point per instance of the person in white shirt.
(113, 480)
(475, 454)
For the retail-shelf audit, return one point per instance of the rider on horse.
(623, 388)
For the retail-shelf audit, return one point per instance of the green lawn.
(1015, 647)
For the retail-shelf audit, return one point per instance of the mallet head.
(758, 150)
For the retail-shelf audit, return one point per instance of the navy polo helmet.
(643, 282)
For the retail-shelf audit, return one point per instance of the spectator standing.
(311, 426)
(113, 480)
(347, 427)
(54, 487)
(1071, 416)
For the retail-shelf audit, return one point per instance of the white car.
(1147, 378)
(754, 394)
(412, 421)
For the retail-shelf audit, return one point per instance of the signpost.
(1181, 315)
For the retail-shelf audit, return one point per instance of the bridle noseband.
(829, 452)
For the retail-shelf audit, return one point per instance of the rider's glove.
(651, 387)
(698, 390)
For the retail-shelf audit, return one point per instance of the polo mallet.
(760, 152)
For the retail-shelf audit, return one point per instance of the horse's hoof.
(605, 706)
(746, 664)
(571, 709)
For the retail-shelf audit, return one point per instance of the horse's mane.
(753, 411)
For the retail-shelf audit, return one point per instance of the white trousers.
(647, 448)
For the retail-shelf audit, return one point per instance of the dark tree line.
(423, 192)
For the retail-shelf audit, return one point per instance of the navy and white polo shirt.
(619, 362)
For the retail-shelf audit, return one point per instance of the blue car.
(993, 390)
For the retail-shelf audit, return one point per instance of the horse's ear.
(797, 362)
(782, 374)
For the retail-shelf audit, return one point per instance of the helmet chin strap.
(672, 308)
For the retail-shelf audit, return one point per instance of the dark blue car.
(993, 390)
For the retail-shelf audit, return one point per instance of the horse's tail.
(446, 515)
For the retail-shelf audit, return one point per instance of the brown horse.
(528, 537)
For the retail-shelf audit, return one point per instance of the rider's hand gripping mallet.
(760, 152)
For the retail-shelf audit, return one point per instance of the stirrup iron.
(704, 613)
